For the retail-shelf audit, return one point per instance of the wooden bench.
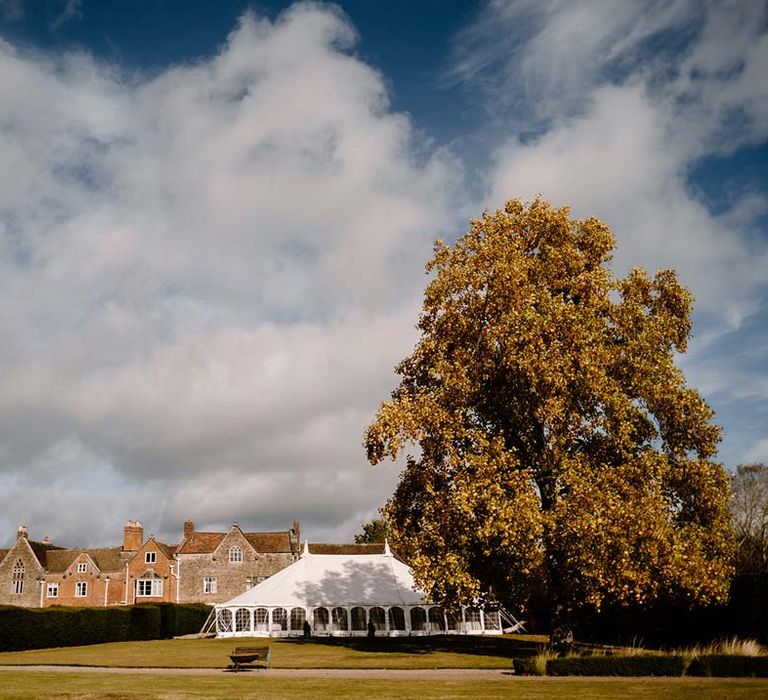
(249, 655)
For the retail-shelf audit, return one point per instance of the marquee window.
(279, 619)
(436, 619)
(210, 585)
(224, 621)
(473, 621)
(418, 619)
(149, 588)
(17, 581)
(53, 590)
(359, 620)
(453, 620)
(298, 616)
(320, 620)
(242, 620)
(340, 619)
(235, 555)
(81, 589)
(492, 620)
(261, 620)
(377, 618)
(396, 619)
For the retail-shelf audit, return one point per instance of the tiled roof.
(267, 542)
(367, 548)
(371, 548)
(42, 549)
(270, 541)
(168, 549)
(106, 558)
(201, 542)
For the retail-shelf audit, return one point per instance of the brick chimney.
(295, 538)
(189, 529)
(22, 532)
(133, 535)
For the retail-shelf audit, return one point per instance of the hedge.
(525, 666)
(729, 666)
(650, 665)
(40, 628)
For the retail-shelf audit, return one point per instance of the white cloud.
(618, 125)
(208, 275)
(758, 453)
(619, 162)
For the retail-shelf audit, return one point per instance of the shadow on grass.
(466, 644)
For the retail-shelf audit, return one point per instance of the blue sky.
(214, 217)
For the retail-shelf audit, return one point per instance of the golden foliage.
(557, 440)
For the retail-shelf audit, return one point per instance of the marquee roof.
(335, 579)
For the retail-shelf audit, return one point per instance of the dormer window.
(150, 557)
(82, 567)
(235, 554)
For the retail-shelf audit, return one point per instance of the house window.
(149, 588)
(150, 557)
(81, 589)
(235, 554)
(209, 584)
(82, 567)
(17, 582)
(53, 590)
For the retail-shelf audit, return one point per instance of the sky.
(215, 215)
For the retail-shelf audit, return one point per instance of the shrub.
(648, 665)
(729, 665)
(525, 666)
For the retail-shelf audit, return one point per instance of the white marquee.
(342, 595)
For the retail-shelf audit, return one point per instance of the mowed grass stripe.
(395, 653)
(91, 685)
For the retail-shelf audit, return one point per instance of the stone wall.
(232, 578)
(30, 595)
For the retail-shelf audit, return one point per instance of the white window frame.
(235, 555)
(82, 567)
(81, 589)
(149, 588)
(52, 590)
(210, 584)
(150, 557)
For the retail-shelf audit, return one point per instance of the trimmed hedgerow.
(525, 666)
(179, 619)
(650, 665)
(729, 666)
(36, 628)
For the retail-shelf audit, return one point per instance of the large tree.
(749, 508)
(377, 530)
(549, 436)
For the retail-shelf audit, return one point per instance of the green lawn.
(394, 652)
(252, 685)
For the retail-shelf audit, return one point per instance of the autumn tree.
(549, 436)
(377, 530)
(749, 508)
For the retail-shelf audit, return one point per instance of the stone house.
(216, 566)
(205, 567)
(22, 568)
